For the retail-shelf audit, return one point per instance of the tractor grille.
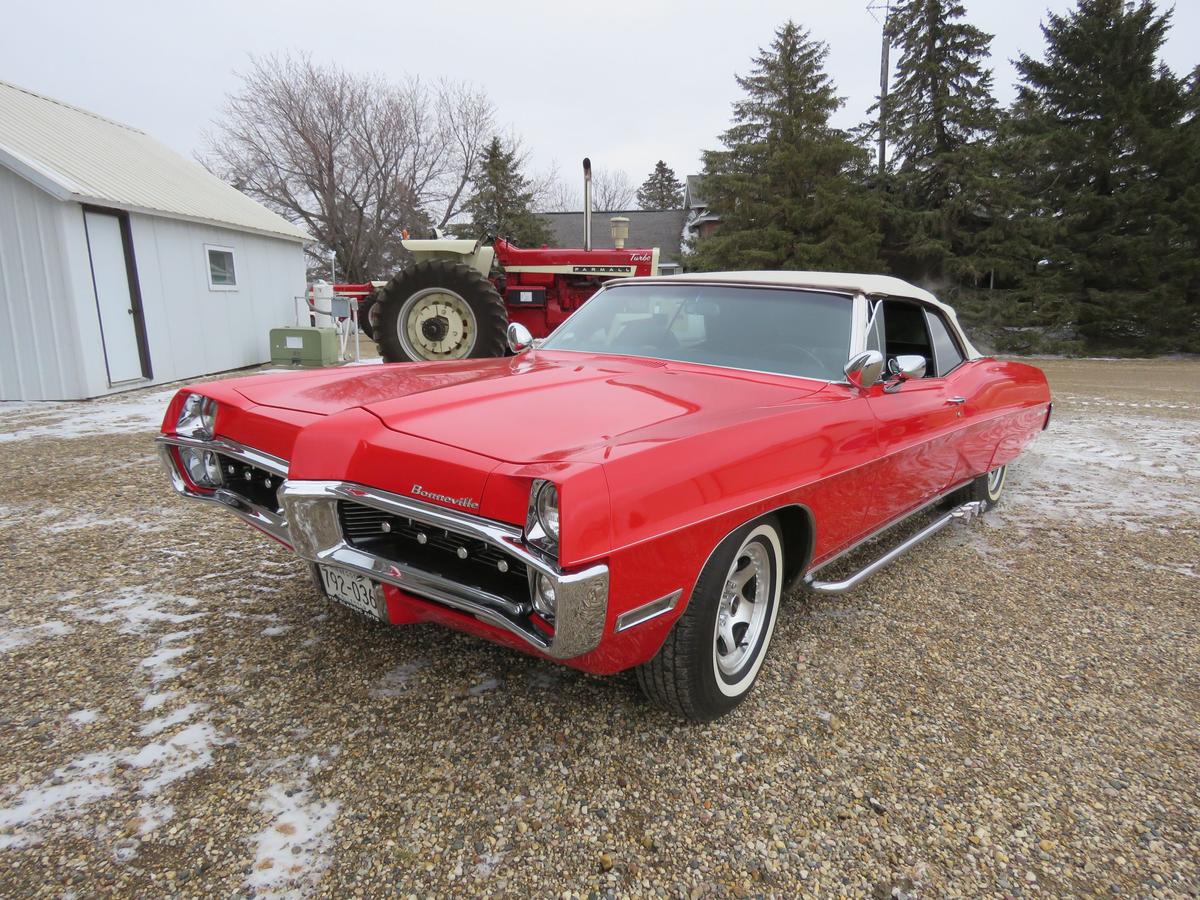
(251, 483)
(431, 549)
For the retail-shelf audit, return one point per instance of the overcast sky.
(626, 83)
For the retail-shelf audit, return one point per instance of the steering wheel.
(788, 345)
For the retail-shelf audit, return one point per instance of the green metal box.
(304, 346)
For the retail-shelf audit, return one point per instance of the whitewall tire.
(713, 656)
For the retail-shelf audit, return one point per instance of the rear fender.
(467, 252)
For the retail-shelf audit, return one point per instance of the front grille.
(437, 550)
(251, 483)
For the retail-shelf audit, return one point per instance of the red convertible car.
(638, 490)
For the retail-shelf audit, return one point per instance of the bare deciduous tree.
(352, 158)
(553, 193)
(612, 190)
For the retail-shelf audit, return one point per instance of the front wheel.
(712, 657)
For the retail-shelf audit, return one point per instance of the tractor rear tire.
(440, 310)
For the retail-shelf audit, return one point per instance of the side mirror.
(864, 370)
(519, 338)
(908, 367)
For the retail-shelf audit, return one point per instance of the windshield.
(788, 331)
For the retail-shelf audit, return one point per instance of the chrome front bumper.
(268, 520)
(309, 523)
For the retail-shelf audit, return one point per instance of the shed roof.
(661, 228)
(76, 155)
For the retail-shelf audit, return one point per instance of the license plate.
(355, 591)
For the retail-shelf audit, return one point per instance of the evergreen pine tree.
(502, 204)
(661, 190)
(788, 186)
(946, 204)
(1103, 136)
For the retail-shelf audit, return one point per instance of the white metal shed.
(123, 264)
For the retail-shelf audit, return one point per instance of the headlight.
(543, 595)
(547, 510)
(198, 418)
(541, 524)
(203, 467)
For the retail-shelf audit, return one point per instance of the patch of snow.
(396, 681)
(291, 852)
(12, 638)
(159, 663)
(177, 757)
(153, 816)
(86, 520)
(135, 608)
(1099, 466)
(155, 700)
(70, 788)
(162, 723)
(85, 418)
(83, 716)
(83, 781)
(488, 684)
(276, 630)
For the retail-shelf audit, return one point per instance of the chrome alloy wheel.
(743, 609)
(435, 324)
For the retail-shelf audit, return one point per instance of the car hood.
(540, 406)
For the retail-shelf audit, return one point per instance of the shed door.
(117, 300)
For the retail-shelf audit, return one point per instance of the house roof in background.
(647, 228)
(79, 156)
(695, 192)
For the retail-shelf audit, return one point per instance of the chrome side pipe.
(964, 513)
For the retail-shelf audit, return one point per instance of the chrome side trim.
(963, 513)
(265, 519)
(311, 510)
(647, 611)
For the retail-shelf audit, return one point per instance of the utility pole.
(885, 72)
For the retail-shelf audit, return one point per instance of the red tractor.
(457, 298)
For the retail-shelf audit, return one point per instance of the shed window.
(222, 275)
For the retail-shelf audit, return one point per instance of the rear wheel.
(711, 659)
(988, 488)
(368, 313)
(439, 310)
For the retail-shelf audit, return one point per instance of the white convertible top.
(850, 282)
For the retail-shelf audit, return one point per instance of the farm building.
(123, 264)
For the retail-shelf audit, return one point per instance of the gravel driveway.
(1013, 709)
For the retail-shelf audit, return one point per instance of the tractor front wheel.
(439, 310)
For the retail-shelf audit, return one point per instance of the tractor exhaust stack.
(587, 204)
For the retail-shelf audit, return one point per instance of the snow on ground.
(135, 609)
(83, 716)
(83, 781)
(396, 681)
(12, 638)
(292, 850)
(139, 411)
(1098, 462)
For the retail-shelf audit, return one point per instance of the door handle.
(957, 401)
